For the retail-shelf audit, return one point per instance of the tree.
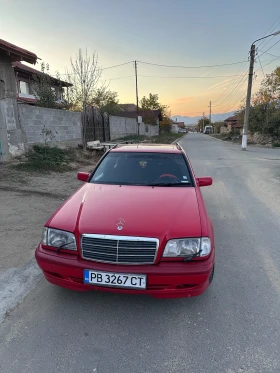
(84, 76)
(202, 122)
(106, 101)
(265, 109)
(151, 103)
(217, 126)
(272, 84)
(42, 88)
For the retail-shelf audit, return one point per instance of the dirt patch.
(26, 201)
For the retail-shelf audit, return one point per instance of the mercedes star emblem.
(120, 224)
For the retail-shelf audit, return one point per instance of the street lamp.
(249, 89)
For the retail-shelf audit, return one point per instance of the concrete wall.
(65, 125)
(149, 129)
(12, 137)
(122, 127)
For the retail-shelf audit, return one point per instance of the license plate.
(120, 280)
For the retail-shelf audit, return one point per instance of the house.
(231, 124)
(128, 107)
(175, 126)
(181, 124)
(16, 53)
(11, 136)
(25, 76)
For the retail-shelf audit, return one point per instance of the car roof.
(148, 148)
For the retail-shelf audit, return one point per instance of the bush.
(45, 158)
(276, 145)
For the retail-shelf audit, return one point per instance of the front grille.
(119, 249)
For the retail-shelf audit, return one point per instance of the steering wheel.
(169, 178)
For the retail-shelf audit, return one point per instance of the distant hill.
(193, 120)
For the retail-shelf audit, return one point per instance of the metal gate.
(95, 125)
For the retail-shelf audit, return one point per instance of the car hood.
(159, 212)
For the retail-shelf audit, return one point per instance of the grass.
(163, 138)
(43, 158)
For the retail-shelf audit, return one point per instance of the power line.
(188, 77)
(268, 63)
(121, 64)
(261, 64)
(270, 47)
(234, 92)
(229, 108)
(239, 100)
(122, 77)
(239, 82)
(102, 68)
(239, 72)
(270, 54)
(270, 32)
(190, 67)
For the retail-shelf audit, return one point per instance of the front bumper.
(164, 280)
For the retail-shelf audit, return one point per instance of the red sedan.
(137, 225)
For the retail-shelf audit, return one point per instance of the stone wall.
(260, 139)
(65, 125)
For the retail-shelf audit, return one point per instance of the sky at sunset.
(166, 32)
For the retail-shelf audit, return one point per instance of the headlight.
(59, 239)
(187, 247)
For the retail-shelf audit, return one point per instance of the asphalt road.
(234, 327)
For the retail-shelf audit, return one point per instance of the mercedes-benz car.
(138, 224)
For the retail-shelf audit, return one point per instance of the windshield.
(147, 169)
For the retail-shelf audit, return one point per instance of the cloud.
(184, 100)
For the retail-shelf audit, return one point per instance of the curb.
(180, 138)
(15, 284)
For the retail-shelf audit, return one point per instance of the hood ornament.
(120, 224)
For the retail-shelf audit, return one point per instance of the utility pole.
(137, 105)
(248, 99)
(203, 123)
(210, 113)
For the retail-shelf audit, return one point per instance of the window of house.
(23, 87)
(56, 92)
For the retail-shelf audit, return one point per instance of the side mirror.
(83, 176)
(204, 181)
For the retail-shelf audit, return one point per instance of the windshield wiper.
(168, 184)
(62, 246)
